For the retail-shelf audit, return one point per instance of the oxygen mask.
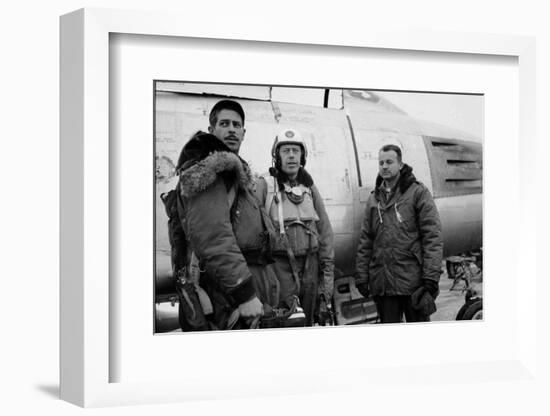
(295, 193)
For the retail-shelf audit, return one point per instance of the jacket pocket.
(406, 217)
(248, 224)
(417, 253)
(407, 271)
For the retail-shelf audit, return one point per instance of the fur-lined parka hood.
(203, 159)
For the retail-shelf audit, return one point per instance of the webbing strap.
(308, 228)
(292, 262)
(280, 216)
(270, 194)
(290, 254)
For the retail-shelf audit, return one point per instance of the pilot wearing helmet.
(303, 253)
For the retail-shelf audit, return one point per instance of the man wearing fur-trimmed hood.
(304, 250)
(224, 226)
(400, 246)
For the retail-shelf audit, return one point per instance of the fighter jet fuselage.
(343, 145)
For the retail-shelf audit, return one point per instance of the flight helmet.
(288, 136)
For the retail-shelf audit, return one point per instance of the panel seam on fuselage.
(355, 151)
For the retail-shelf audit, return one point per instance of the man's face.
(290, 158)
(229, 129)
(388, 165)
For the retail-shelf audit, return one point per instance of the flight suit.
(309, 236)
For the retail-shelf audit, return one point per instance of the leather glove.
(423, 301)
(251, 308)
(363, 288)
(417, 295)
(431, 286)
(327, 284)
(423, 298)
(324, 315)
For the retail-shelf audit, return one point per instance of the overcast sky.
(463, 112)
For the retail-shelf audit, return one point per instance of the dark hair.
(396, 149)
(224, 105)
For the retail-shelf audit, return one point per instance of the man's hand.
(251, 308)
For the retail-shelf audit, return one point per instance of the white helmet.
(289, 136)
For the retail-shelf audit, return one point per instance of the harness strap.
(311, 230)
(280, 216)
(308, 255)
(290, 254)
(292, 262)
(270, 195)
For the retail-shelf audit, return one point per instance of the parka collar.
(406, 179)
(203, 158)
(303, 178)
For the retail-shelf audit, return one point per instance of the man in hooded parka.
(225, 228)
(400, 248)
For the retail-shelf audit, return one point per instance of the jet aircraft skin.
(343, 145)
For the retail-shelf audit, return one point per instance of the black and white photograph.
(252, 208)
(291, 207)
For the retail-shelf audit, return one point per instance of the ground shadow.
(51, 390)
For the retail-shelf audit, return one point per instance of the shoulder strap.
(179, 202)
(270, 193)
(292, 260)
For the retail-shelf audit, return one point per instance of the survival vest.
(298, 218)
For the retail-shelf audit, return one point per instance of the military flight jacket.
(401, 240)
(226, 236)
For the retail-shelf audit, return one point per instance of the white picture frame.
(86, 356)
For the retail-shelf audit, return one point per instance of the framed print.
(114, 67)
